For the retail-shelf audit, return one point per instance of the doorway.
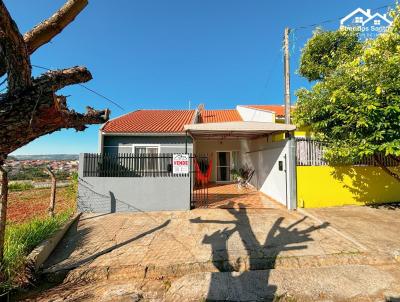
(223, 166)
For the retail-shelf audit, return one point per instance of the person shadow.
(247, 279)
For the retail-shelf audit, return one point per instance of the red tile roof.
(219, 116)
(150, 121)
(278, 109)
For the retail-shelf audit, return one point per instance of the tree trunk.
(53, 191)
(3, 211)
(30, 106)
(386, 169)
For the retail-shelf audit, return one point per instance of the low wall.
(325, 186)
(132, 194)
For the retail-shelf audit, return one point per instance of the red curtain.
(201, 177)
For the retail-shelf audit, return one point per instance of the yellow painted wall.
(300, 132)
(325, 186)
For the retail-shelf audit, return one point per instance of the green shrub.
(20, 240)
(20, 186)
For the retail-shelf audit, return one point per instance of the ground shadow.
(368, 185)
(65, 249)
(116, 246)
(113, 202)
(251, 281)
(218, 200)
(388, 206)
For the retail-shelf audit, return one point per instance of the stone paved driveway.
(225, 254)
(375, 227)
(202, 239)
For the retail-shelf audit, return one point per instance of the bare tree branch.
(37, 113)
(57, 79)
(78, 121)
(30, 108)
(386, 169)
(48, 29)
(14, 53)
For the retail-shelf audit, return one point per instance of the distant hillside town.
(33, 169)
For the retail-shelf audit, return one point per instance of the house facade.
(247, 137)
(170, 131)
(286, 164)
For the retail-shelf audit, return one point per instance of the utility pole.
(287, 76)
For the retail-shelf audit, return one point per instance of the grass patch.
(20, 240)
(20, 186)
(72, 189)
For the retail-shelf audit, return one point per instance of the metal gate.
(200, 173)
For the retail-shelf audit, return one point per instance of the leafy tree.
(355, 107)
(326, 50)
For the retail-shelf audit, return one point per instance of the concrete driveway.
(377, 228)
(221, 254)
(208, 240)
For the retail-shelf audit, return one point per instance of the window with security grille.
(147, 158)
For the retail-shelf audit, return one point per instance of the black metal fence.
(129, 165)
(311, 153)
(199, 194)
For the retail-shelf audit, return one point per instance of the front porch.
(257, 152)
(230, 196)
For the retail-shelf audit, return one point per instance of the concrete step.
(89, 272)
(332, 283)
(328, 283)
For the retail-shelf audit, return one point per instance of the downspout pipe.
(292, 175)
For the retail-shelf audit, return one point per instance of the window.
(146, 150)
(147, 163)
(358, 20)
(377, 22)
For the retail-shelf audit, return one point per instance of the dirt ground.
(25, 205)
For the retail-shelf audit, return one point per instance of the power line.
(333, 20)
(87, 88)
(100, 95)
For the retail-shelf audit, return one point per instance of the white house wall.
(255, 115)
(264, 158)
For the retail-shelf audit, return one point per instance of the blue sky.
(163, 54)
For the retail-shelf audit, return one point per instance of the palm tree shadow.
(251, 280)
